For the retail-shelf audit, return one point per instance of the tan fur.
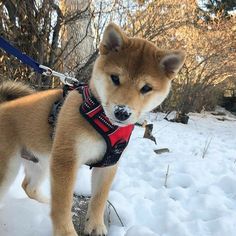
(24, 123)
(11, 91)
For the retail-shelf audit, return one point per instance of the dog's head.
(132, 76)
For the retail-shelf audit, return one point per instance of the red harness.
(116, 138)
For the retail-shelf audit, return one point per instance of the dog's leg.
(9, 167)
(101, 182)
(63, 174)
(35, 173)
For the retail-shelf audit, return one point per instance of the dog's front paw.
(94, 228)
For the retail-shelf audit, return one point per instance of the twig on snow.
(167, 174)
(207, 144)
(110, 204)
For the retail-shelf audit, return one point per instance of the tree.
(50, 30)
(210, 47)
(35, 27)
(77, 37)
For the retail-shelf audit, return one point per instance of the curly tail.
(10, 90)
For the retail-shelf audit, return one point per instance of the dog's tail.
(10, 90)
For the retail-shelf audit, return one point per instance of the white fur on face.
(109, 108)
(157, 99)
(98, 81)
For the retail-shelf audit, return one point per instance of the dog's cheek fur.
(156, 98)
(99, 84)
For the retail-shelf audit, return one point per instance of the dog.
(130, 77)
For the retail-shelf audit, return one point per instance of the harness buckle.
(119, 147)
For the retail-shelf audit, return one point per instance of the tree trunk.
(77, 36)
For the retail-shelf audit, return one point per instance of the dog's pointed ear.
(172, 61)
(113, 39)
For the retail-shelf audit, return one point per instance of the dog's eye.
(115, 79)
(145, 89)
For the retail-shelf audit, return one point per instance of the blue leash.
(7, 47)
(44, 70)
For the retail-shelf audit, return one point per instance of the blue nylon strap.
(18, 54)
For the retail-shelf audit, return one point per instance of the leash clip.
(65, 79)
(48, 71)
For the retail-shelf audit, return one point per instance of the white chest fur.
(90, 149)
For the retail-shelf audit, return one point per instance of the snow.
(199, 197)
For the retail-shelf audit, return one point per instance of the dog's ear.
(113, 39)
(172, 61)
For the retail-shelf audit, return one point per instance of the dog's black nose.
(122, 112)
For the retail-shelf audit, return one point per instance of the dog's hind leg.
(35, 173)
(101, 182)
(9, 167)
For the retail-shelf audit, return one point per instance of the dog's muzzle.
(122, 112)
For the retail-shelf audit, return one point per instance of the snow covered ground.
(199, 198)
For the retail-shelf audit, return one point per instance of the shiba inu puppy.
(130, 77)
